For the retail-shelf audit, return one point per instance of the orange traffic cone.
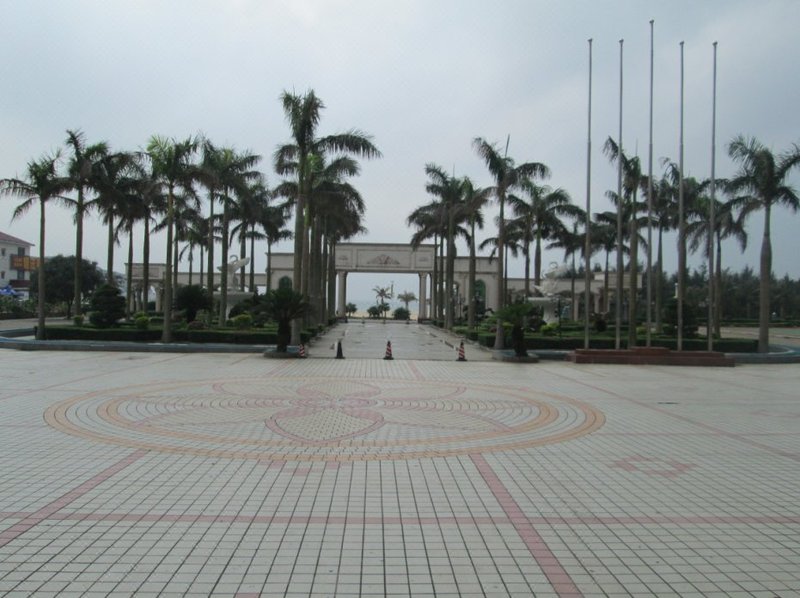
(461, 356)
(388, 350)
(302, 352)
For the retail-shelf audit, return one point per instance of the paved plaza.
(153, 474)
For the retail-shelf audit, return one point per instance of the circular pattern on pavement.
(324, 419)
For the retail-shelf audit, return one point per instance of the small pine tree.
(106, 306)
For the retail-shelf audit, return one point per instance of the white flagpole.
(587, 248)
(712, 224)
(618, 298)
(681, 223)
(650, 203)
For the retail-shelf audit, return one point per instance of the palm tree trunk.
(78, 278)
(129, 274)
(633, 276)
(40, 299)
(537, 260)
(499, 340)
(110, 258)
(299, 234)
(167, 333)
(210, 271)
(659, 277)
(202, 262)
(442, 290)
(252, 259)
(146, 265)
(223, 281)
(315, 271)
(332, 278)
(451, 254)
(435, 279)
(718, 289)
(191, 264)
(177, 257)
(575, 308)
(242, 255)
(763, 287)
(269, 265)
(605, 286)
(473, 304)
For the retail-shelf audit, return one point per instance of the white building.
(16, 264)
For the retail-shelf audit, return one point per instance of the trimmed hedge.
(730, 345)
(152, 335)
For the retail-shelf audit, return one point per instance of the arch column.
(342, 288)
(423, 296)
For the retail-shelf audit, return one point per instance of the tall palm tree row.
(82, 174)
(507, 175)
(300, 160)
(42, 184)
(539, 212)
(759, 185)
(173, 167)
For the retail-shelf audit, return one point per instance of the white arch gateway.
(396, 258)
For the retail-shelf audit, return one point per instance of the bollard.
(302, 352)
(388, 350)
(461, 356)
(339, 354)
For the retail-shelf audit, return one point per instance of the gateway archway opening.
(361, 285)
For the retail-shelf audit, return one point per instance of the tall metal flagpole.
(618, 297)
(712, 224)
(650, 204)
(587, 253)
(681, 223)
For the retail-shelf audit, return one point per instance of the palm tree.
(474, 201)
(507, 176)
(153, 201)
(194, 234)
(297, 159)
(232, 172)
(727, 225)
(450, 190)
(273, 222)
(604, 236)
(115, 182)
(130, 212)
(665, 216)
(81, 171)
(632, 181)
(573, 243)
(42, 184)
(249, 214)
(382, 295)
(172, 165)
(429, 221)
(759, 184)
(540, 218)
(407, 297)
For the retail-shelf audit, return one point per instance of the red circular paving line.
(79, 416)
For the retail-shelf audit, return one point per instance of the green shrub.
(549, 329)
(141, 322)
(242, 321)
(190, 299)
(107, 306)
(401, 313)
(196, 324)
(78, 320)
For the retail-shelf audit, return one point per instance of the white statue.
(233, 267)
(548, 301)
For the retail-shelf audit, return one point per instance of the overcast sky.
(423, 77)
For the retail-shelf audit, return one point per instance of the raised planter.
(650, 356)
